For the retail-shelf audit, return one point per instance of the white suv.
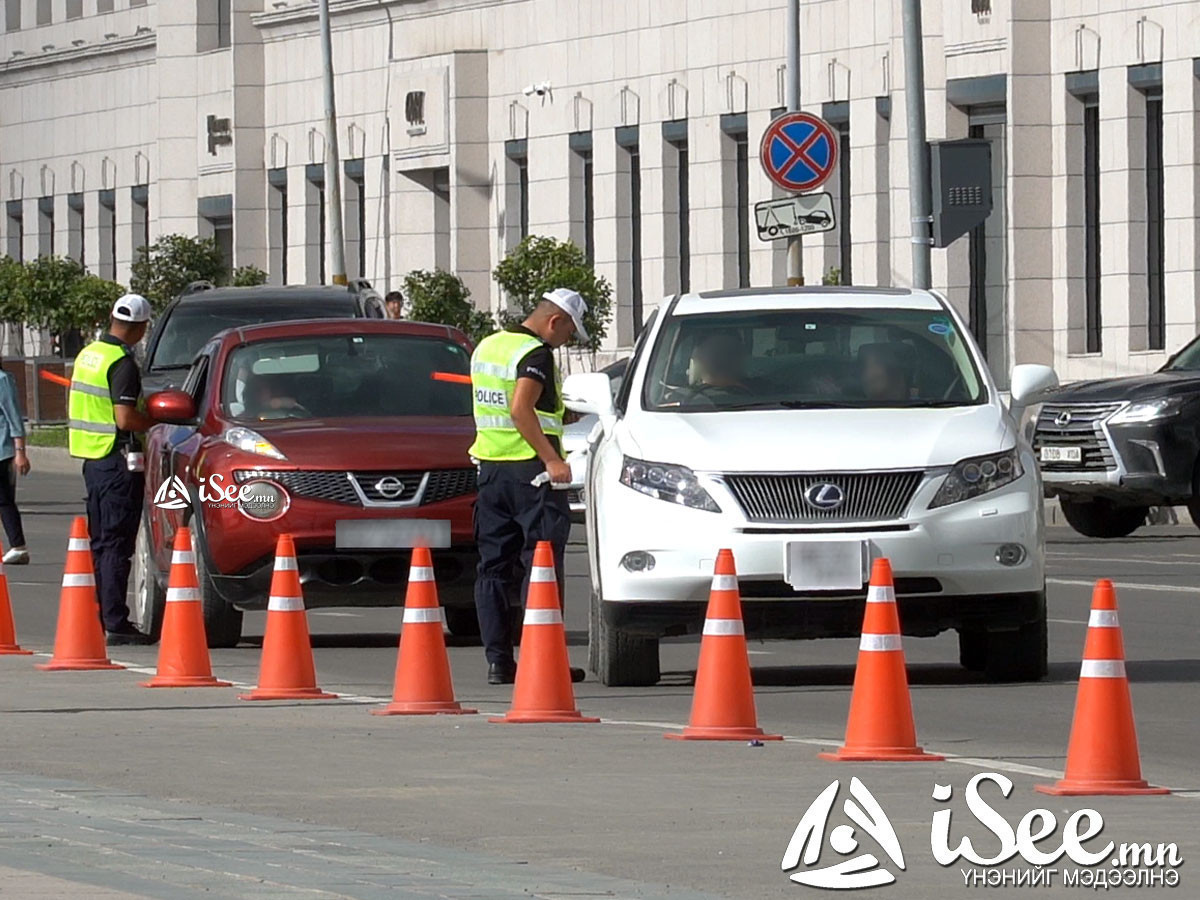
(811, 430)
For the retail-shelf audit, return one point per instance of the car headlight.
(1147, 411)
(250, 441)
(978, 475)
(675, 484)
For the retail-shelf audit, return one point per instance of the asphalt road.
(115, 790)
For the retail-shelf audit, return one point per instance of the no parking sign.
(799, 151)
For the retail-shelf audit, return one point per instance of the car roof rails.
(358, 285)
(196, 287)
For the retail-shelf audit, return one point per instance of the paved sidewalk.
(34, 886)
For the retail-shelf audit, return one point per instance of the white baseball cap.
(131, 308)
(572, 304)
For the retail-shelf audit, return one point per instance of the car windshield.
(344, 376)
(1186, 360)
(811, 358)
(191, 325)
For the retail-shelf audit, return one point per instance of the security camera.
(541, 90)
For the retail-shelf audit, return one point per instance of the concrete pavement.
(609, 810)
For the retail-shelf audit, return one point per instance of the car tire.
(462, 621)
(1102, 518)
(618, 658)
(972, 650)
(222, 621)
(149, 599)
(1020, 655)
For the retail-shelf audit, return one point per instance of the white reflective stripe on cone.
(881, 594)
(285, 564)
(420, 573)
(79, 544)
(183, 557)
(879, 642)
(543, 616)
(421, 615)
(542, 574)
(1103, 618)
(1102, 668)
(82, 580)
(723, 626)
(285, 604)
(183, 595)
(724, 583)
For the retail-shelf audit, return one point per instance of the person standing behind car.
(13, 462)
(103, 428)
(394, 301)
(519, 424)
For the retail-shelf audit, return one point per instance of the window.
(737, 189)
(46, 226)
(1155, 263)
(108, 235)
(583, 205)
(1091, 229)
(629, 215)
(677, 202)
(315, 231)
(75, 230)
(277, 225)
(45, 12)
(12, 15)
(356, 218)
(74, 9)
(845, 246)
(518, 172)
(104, 6)
(16, 231)
(224, 23)
(140, 196)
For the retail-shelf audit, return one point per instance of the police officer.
(104, 421)
(519, 425)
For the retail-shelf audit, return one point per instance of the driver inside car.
(887, 372)
(719, 366)
(265, 399)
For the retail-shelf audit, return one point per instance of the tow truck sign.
(790, 216)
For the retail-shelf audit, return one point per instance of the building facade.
(631, 127)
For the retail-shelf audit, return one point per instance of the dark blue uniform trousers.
(114, 508)
(511, 516)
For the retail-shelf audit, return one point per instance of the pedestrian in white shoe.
(13, 462)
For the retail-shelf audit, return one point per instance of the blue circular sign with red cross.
(799, 151)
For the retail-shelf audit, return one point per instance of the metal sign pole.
(333, 166)
(920, 204)
(795, 246)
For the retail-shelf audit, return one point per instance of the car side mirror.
(589, 393)
(1030, 384)
(173, 407)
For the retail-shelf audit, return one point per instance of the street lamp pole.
(795, 259)
(333, 166)
(920, 198)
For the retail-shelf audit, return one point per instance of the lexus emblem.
(824, 496)
(390, 487)
(1063, 419)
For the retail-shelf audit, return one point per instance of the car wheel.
(972, 650)
(1020, 655)
(149, 599)
(1102, 518)
(222, 622)
(618, 658)
(462, 621)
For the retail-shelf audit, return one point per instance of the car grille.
(1084, 430)
(336, 487)
(868, 496)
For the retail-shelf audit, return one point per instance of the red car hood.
(411, 442)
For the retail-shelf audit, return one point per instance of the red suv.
(351, 435)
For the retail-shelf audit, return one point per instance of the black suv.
(1111, 449)
(203, 310)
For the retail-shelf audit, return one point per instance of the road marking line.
(1132, 562)
(1128, 585)
(335, 615)
(1068, 621)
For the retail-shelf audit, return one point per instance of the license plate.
(1062, 454)
(391, 534)
(825, 565)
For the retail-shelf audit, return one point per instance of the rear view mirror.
(1030, 384)
(174, 407)
(588, 393)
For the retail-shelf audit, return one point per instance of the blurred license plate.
(389, 534)
(1062, 454)
(825, 565)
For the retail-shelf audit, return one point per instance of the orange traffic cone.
(8, 631)
(79, 641)
(543, 692)
(183, 652)
(423, 684)
(1102, 757)
(723, 703)
(881, 726)
(287, 671)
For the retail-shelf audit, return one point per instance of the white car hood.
(832, 440)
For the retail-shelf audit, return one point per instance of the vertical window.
(74, 9)
(223, 235)
(75, 231)
(1155, 257)
(16, 231)
(277, 225)
(629, 208)
(743, 210)
(315, 215)
(46, 226)
(677, 203)
(517, 153)
(685, 236)
(107, 203)
(356, 218)
(1091, 223)
(583, 209)
(224, 23)
(589, 209)
(977, 310)
(45, 12)
(140, 196)
(844, 244)
(12, 15)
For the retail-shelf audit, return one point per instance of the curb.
(53, 461)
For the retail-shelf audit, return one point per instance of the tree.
(833, 276)
(247, 276)
(91, 302)
(163, 269)
(47, 285)
(541, 264)
(442, 297)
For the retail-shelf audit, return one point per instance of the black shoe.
(502, 673)
(128, 636)
(577, 675)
